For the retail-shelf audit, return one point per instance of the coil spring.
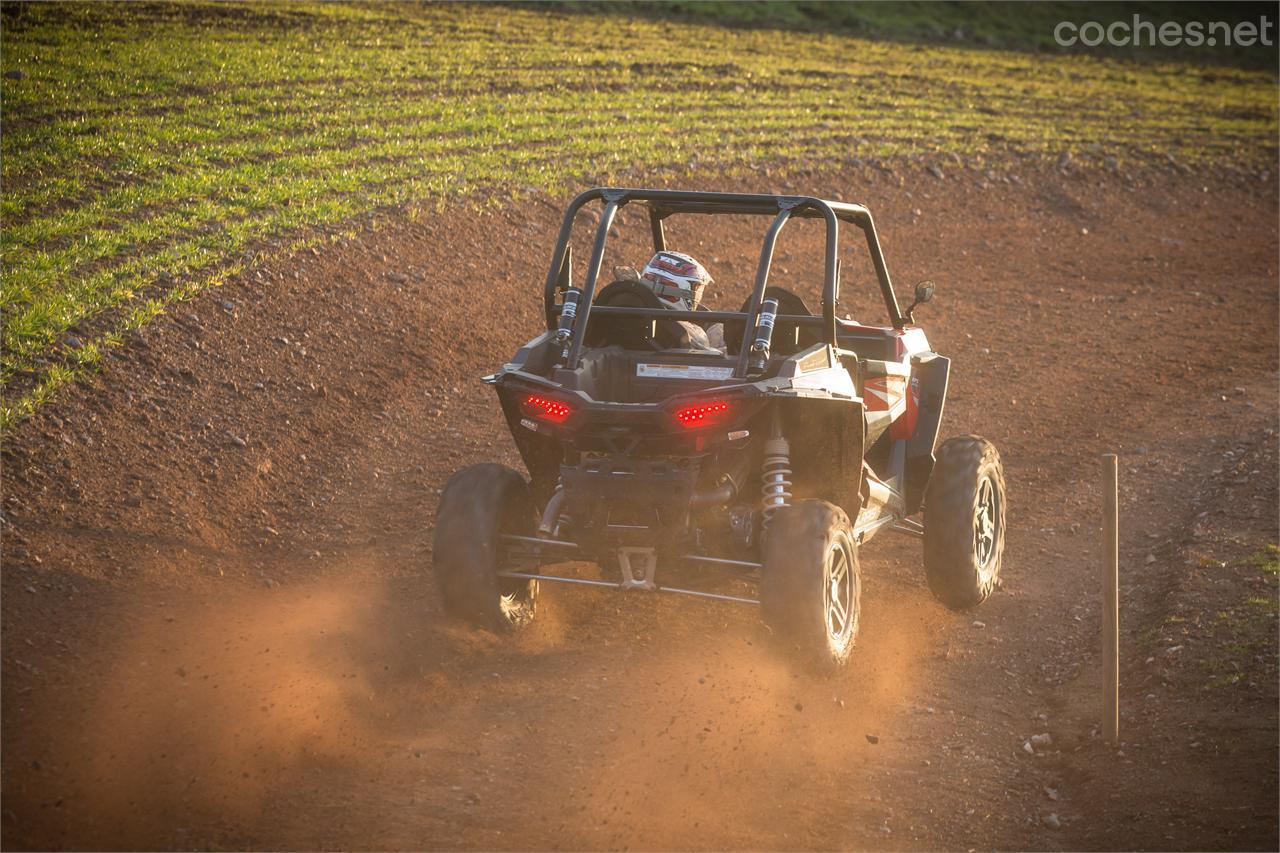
(776, 477)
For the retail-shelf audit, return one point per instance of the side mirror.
(924, 293)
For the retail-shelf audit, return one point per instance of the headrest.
(632, 332)
(784, 334)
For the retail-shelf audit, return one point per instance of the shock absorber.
(764, 336)
(568, 313)
(776, 469)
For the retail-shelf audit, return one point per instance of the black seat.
(632, 333)
(788, 338)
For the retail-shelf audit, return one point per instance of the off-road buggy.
(772, 461)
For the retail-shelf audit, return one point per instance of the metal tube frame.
(557, 544)
(546, 542)
(908, 527)
(664, 203)
(587, 582)
(762, 281)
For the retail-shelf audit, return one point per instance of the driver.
(678, 280)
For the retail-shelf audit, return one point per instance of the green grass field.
(150, 151)
(989, 23)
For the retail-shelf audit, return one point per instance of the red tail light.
(545, 408)
(703, 414)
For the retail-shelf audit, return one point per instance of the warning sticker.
(683, 371)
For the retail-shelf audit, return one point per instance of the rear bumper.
(630, 429)
(621, 499)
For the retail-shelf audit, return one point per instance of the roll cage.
(664, 203)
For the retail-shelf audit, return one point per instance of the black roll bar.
(664, 203)
(589, 290)
(659, 235)
(757, 292)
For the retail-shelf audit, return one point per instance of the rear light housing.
(546, 409)
(697, 415)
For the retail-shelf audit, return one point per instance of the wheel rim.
(838, 594)
(513, 593)
(985, 518)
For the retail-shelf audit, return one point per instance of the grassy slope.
(1015, 25)
(150, 151)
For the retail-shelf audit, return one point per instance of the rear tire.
(480, 503)
(811, 585)
(964, 522)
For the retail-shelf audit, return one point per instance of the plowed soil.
(220, 628)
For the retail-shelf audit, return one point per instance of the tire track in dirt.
(300, 688)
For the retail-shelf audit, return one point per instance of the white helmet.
(677, 279)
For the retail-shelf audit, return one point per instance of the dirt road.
(220, 631)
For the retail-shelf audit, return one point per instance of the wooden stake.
(1111, 597)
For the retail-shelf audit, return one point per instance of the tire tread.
(794, 571)
(950, 565)
(477, 502)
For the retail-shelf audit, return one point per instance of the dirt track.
(219, 628)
